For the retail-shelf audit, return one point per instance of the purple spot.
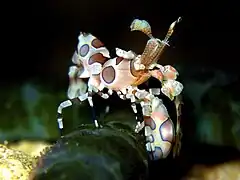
(167, 128)
(108, 74)
(84, 50)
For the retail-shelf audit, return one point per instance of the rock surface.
(110, 153)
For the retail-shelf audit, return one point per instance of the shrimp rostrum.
(122, 75)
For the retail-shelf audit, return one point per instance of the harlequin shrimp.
(123, 74)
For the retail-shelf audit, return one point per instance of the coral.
(15, 165)
(33, 148)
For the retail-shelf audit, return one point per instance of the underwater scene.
(120, 91)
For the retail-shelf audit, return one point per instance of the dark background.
(41, 35)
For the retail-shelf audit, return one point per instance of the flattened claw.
(141, 25)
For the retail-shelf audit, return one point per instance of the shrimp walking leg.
(90, 101)
(135, 110)
(66, 104)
